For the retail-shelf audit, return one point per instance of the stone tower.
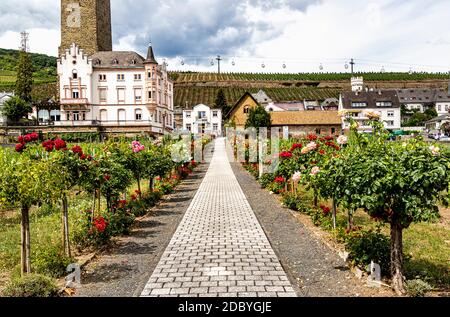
(86, 23)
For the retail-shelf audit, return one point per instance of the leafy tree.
(24, 82)
(394, 182)
(15, 109)
(258, 117)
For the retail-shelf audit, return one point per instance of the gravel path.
(313, 267)
(125, 268)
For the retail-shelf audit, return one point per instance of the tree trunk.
(66, 239)
(93, 205)
(350, 220)
(316, 199)
(25, 251)
(151, 183)
(139, 186)
(334, 213)
(99, 197)
(397, 257)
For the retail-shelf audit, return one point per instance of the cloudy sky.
(302, 34)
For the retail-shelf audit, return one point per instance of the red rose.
(312, 137)
(60, 144)
(34, 136)
(279, 180)
(77, 150)
(329, 138)
(107, 177)
(296, 146)
(100, 224)
(20, 147)
(83, 157)
(285, 154)
(21, 139)
(133, 197)
(48, 145)
(322, 152)
(27, 138)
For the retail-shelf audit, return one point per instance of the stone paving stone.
(219, 248)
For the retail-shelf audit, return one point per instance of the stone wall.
(93, 33)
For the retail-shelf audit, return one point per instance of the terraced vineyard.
(190, 77)
(193, 95)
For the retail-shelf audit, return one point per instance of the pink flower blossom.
(342, 140)
(296, 177)
(315, 170)
(312, 146)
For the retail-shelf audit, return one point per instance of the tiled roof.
(370, 98)
(290, 106)
(306, 118)
(117, 60)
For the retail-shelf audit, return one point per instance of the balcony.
(75, 104)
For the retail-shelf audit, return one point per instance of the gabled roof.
(117, 60)
(306, 118)
(246, 94)
(370, 98)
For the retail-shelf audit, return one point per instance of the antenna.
(24, 42)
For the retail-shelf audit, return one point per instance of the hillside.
(192, 88)
(44, 68)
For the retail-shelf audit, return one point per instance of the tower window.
(74, 74)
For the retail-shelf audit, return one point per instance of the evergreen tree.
(24, 82)
(221, 102)
(258, 117)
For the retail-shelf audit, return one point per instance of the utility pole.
(24, 46)
(352, 64)
(218, 58)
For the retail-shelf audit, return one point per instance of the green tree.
(258, 117)
(221, 102)
(15, 109)
(24, 82)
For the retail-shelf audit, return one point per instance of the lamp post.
(218, 58)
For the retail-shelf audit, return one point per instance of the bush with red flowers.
(20, 147)
(286, 154)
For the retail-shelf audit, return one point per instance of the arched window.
(74, 74)
(115, 61)
(138, 114)
(121, 115)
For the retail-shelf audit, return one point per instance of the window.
(102, 77)
(120, 77)
(103, 115)
(188, 114)
(149, 95)
(355, 114)
(359, 104)
(201, 114)
(121, 94)
(390, 123)
(246, 109)
(137, 77)
(270, 109)
(188, 127)
(75, 94)
(318, 131)
(138, 95)
(102, 92)
(115, 61)
(77, 116)
(439, 108)
(333, 130)
(384, 104)
(133, 62)
(446, 107)
(215, 114)
(149, 75)
(215, 127)
(138, 114)
(390, 113)
(74, 74)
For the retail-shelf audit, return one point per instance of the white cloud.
(397, 34)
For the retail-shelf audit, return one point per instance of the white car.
(444, 138)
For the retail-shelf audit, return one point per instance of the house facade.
(239, 113)
(203, 120)
(383, 102)
(115, 88)
(4, 96)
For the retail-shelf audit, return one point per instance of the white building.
(3, 97)
(115, 88)
(203, 120)
(360, 101)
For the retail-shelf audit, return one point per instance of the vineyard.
(190, 96)
(192, 77)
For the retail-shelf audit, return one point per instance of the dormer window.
(133, 62)
(97, 61)
(115, 61)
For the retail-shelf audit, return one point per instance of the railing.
(74, 101)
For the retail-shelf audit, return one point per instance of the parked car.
(444, 138)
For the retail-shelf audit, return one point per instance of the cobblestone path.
(219, 248)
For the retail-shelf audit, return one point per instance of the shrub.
(417, 288)
(367, 246)
(91, 234)
(31, 285)
(51, 261)
(120, 222)
(266, 179)
(291, 201)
